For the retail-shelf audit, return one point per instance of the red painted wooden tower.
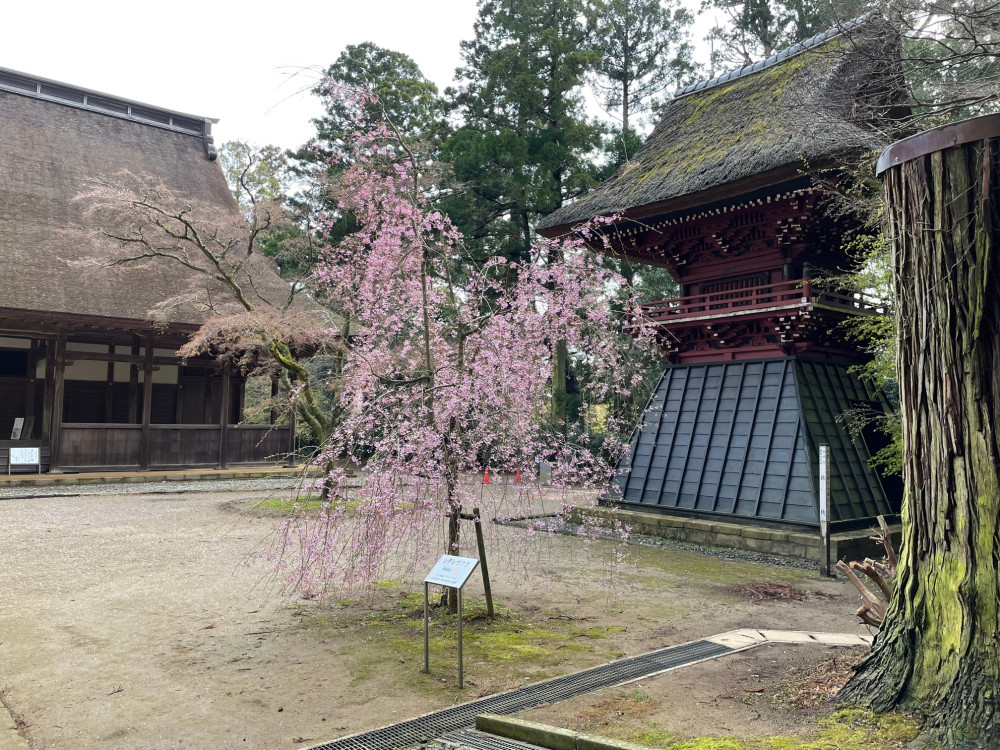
(725, 195)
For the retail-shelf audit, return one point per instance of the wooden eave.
(731, 191)
(51, 323)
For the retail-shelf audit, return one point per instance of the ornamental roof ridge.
(777, 57)
(25, 84)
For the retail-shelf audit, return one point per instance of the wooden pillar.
(224, 407)
(34, 354)
(109, 391)
(241, 395)
(290, 460)
(147, 402)
(133, 385)
(59, 390)
(179, 411)
(274, 398)
(49, 395)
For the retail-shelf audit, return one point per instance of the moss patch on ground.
(386, 639)
(843, 730)
(286, 506)
(713, 577)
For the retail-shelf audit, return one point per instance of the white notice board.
(25, 456)
(452, 571)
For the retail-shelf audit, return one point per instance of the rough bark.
(938, 652)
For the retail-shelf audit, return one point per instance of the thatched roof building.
(58, 142)
(88, 367)
(803, 108)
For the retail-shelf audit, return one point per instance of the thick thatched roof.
(56, 141)
(806, 106)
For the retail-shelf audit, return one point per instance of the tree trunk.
(938, 651)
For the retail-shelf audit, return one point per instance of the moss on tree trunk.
(939, 650)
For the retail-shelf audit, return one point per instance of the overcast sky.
(250, 68)
(221, 58)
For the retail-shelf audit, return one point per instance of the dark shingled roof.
(757, 126)
(741, 440)
(51, 149)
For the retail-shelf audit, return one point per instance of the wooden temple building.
(725, 195)
(86, 375)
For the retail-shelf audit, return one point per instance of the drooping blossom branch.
(442, 378)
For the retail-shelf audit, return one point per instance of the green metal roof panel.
(741, 439)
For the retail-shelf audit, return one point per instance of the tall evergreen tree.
(521, 151)
(523, 148)
(757, 28)
(402, 97)
(644, 49)
(410, 102)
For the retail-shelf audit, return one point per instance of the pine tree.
(644, 49)
(521, 151)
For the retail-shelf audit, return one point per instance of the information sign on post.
(824, 509)
(25, 457)
(453, 572)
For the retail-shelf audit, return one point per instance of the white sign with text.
(452, 571)
(25, 456)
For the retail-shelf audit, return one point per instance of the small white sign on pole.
(824, 509)
(453, 572)
(25, 457)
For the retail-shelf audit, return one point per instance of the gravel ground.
(291, 482)
(143, 617)
(725, 553)
(153, 488)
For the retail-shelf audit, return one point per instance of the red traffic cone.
(517, 476)
(486, 475)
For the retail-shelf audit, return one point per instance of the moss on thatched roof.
(55, 145)
(756, 127)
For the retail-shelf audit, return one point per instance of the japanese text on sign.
(452, 571)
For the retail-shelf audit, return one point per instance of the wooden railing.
(120, 445)
(784, 294)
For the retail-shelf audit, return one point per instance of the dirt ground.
(151, 622)
(749, 694)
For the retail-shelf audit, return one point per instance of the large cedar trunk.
(939, 650)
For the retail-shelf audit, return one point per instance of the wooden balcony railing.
(782, 295)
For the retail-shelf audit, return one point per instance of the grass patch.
(283, 506)
(385, 642)
(844, 730)
(708, 573)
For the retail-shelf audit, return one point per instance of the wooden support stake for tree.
(481, 545)
(482, 561)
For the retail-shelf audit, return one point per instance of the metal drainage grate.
(431, 726)
(470, 738)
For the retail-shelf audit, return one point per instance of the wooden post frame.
(481, 546)
(147, 404)
(224, 414)
(56, 414)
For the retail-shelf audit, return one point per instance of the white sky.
(251, 68)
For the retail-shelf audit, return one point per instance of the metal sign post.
(824, 509)
(452, 572)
